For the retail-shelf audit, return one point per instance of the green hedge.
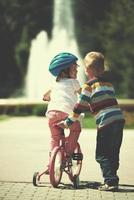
(40, 110)
(23, 110)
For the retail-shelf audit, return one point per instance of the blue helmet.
(60, 62)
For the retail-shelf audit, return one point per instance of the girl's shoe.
(106, 187)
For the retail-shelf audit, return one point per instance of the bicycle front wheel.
(56, 167)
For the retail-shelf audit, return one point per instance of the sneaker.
(106, 187)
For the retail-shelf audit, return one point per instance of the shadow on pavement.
(126, 188)
(92, 185)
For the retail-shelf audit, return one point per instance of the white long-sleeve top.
(64, 95)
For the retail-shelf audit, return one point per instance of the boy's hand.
(62, 125)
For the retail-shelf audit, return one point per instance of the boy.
(99, 95)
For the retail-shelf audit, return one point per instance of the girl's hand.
(46, 96)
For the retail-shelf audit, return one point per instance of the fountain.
(38, 78)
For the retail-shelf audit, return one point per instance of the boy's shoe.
(106, 187)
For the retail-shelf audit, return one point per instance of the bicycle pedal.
(77, 156)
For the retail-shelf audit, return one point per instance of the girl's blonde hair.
(95, 61)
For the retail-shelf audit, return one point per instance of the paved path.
(24, 144)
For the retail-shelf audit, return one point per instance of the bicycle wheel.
(36, 179)
(76, 166)
(55, 167)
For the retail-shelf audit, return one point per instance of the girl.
(62, 99)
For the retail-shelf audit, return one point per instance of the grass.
(4, 117)
(88, 121)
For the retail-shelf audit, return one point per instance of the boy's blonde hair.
(95, 61)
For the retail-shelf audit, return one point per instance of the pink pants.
(55, 117)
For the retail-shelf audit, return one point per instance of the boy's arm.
(79, 91)
(46, 96)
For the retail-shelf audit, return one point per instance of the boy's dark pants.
(109, 140)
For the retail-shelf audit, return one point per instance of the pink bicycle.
(60, 162)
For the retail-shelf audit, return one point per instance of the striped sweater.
(98, 97)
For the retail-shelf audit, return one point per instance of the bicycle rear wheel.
(76, 166)
(55, 167)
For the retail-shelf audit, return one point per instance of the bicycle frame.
(65, 163)
(61, 162)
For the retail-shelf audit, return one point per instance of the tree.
(118, 39)
(20, 22)
(89, 15)
(105, 26)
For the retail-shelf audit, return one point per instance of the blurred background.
(32, 32)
